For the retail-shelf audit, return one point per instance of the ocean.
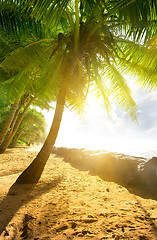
(144, 149)
(137, 148)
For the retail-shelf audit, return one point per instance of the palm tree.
(31, 92)
(8, 120)
(18, 83)
(16, 30)
(14, 127)
(86, 49)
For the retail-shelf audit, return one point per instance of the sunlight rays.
(117, 133)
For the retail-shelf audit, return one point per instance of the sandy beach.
(68, 203)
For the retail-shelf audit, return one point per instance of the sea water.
(138, 149)
(133, 147)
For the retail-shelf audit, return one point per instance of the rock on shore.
(124, 169)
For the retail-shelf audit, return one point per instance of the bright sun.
(73, 132)
(98, 132)
(84, 132)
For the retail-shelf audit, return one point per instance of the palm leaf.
(16, 24)
(141, 63)
(50, 11)
(121, 91)
(76, 102)
(100, 88)
(141, 17)
(20, 58)
(152, 43)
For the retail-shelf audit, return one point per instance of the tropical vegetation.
(32, 129)
(86, 45)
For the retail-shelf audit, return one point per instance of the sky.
(117, 133)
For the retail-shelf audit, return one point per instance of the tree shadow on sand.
(136, 186)
(11, 172)
(146, 216)
(19, 195)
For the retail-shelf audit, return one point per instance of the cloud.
(147, 102)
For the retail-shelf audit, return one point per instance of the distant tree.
(15, 124)
(32, 129)
(23, 88)
(8, 121)
(19, 113)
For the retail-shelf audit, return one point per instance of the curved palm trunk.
(11, 134)
(15, 118)
(9, 121)
(33, 172)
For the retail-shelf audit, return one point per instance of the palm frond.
(100, 88)
(78, 86)
(76, 102)
(152, 43)
(20, 58)
(133, 18)
(121, 91)
(49, 11)
(144, 56)
(141, 63)
(17, 25)
(102, 92)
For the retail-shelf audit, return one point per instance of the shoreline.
(139, 148)
(124, 169)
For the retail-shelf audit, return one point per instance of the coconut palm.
(8, 121)
(31, 93)
(90, 45)
(17, 83)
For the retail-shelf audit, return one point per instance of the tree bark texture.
(32, 173)
(9, 121)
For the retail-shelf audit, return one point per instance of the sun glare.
(90, 131)
(96, 131)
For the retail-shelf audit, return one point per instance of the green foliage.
(84, 43)
(19, 143)
(32, 129)
(141, 63)
(141, 19)
(4, 109)
(17, 24)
